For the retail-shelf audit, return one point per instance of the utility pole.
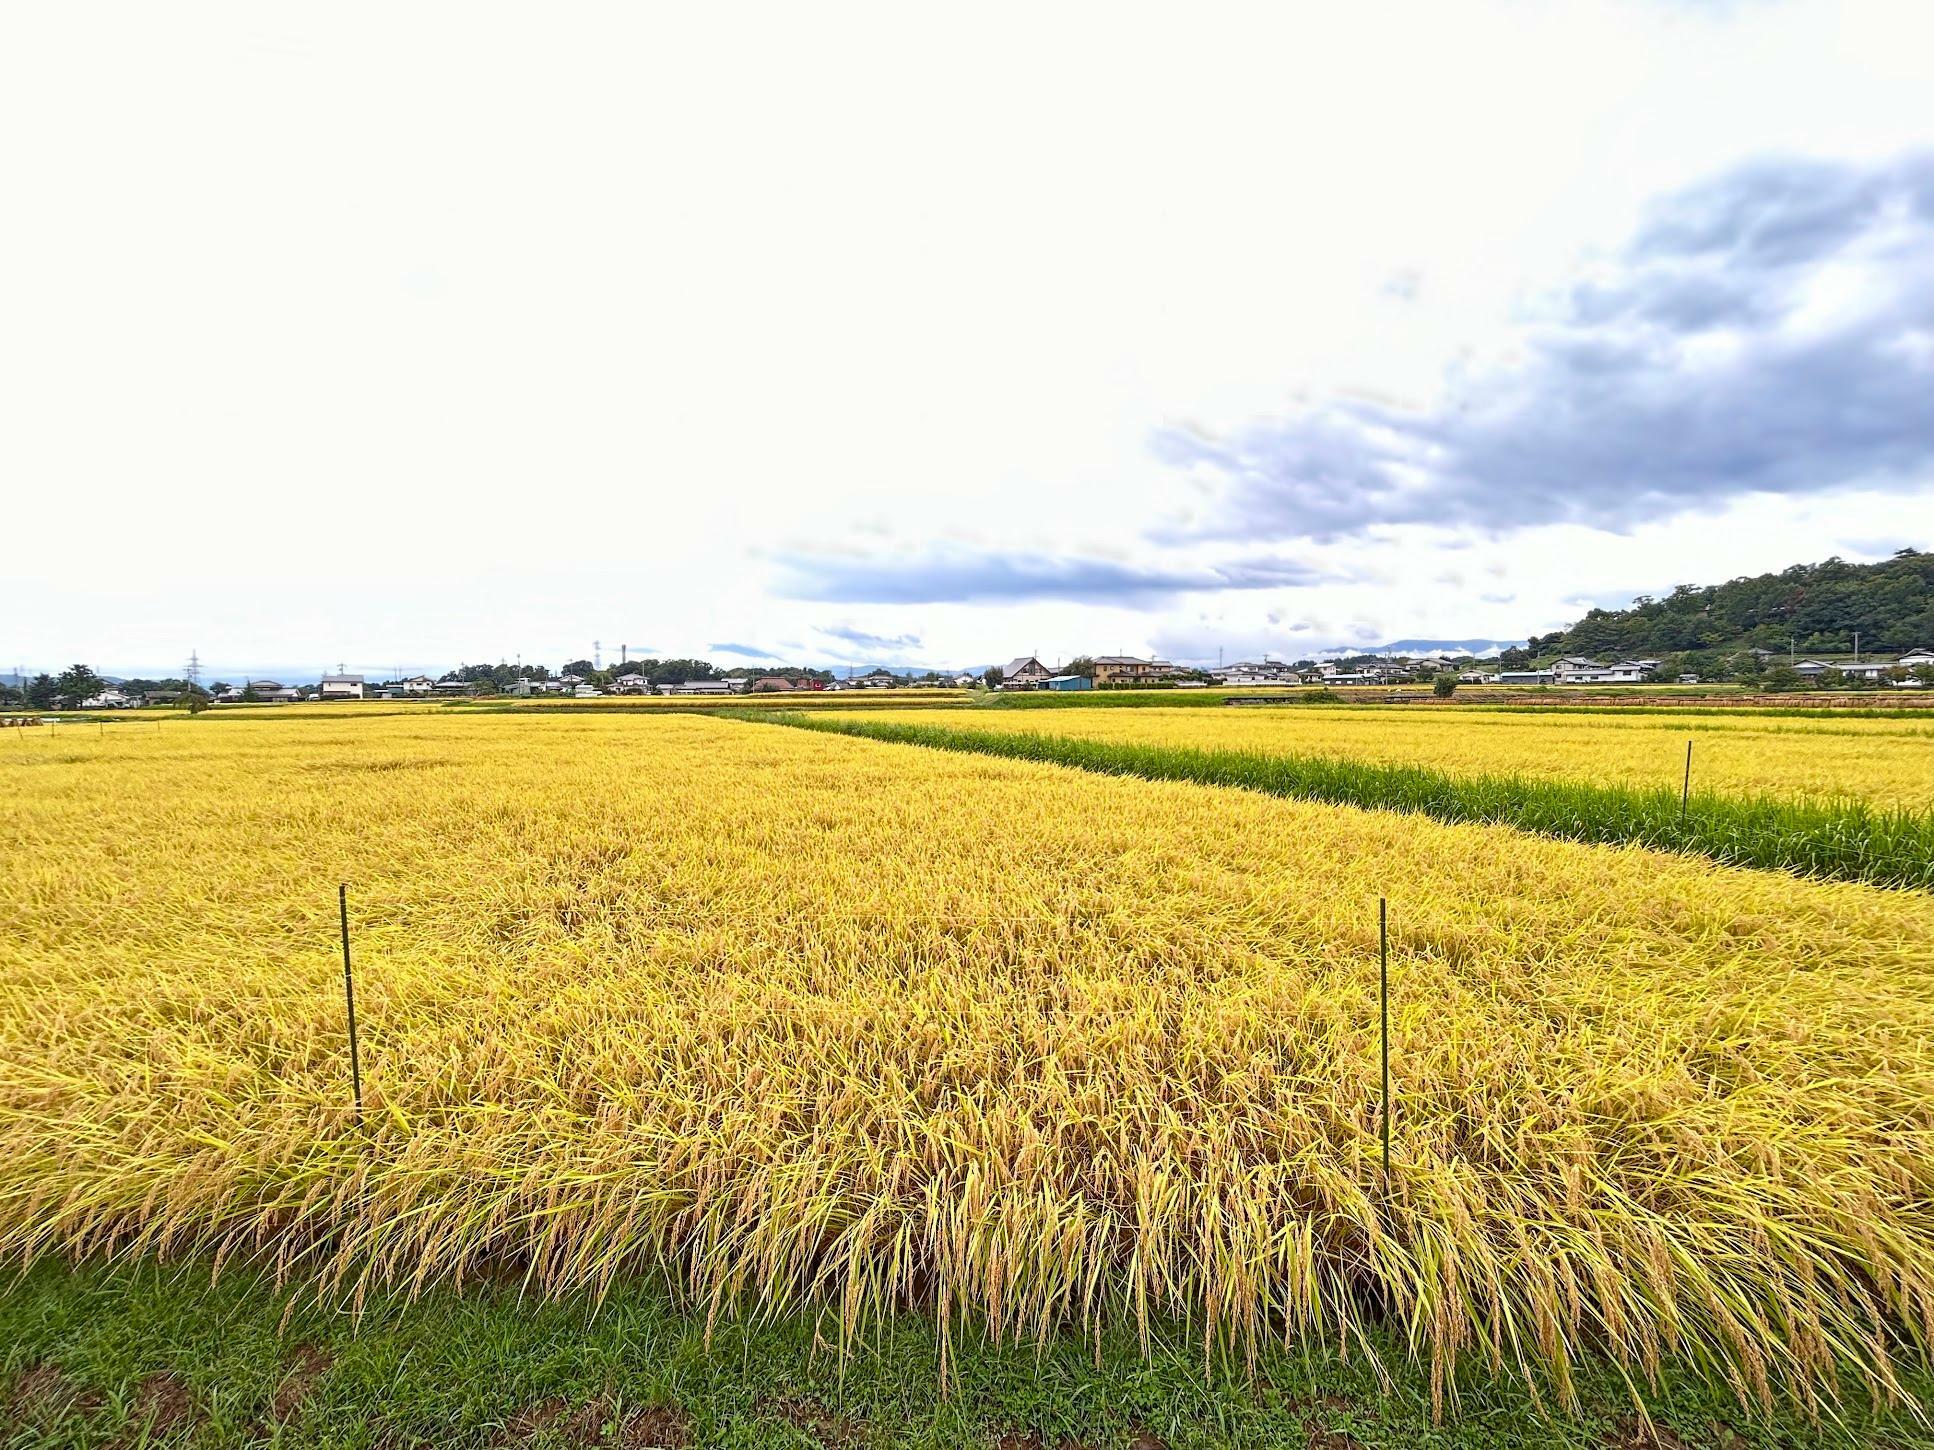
(1856, 646)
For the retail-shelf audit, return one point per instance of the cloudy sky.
(399, 335)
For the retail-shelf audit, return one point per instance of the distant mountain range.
(1481, 648)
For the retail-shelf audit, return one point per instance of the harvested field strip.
(1847, 841)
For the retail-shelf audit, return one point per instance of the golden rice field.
(1888, 763)
(798, 1018)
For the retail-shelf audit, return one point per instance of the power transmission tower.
(193, 670)
(597, 657)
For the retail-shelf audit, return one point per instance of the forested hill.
(1814, 608)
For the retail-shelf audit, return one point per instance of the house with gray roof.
(1025, 673)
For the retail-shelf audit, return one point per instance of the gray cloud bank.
(1771, 330)
(874, 641)
(956, 577)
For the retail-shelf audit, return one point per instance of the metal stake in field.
(1383, 993)
(349, 998)
(1685, 792)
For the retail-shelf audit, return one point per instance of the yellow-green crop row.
(798, 1017)
(1888, 763)
(790, 699)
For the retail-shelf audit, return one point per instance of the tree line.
(77, 682)
(1809, 609)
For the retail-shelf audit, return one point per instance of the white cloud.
(456, 331)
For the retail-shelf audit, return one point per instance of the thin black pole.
(1685, 794)
(1383, 975)
(349, 997)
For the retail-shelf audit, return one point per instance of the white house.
(1577, 670)
(1258, 672)
(698, 687)
(269, 691)
(418, 685)
(630, 685)
(341, 687)
(1332, 673)
(113, 697)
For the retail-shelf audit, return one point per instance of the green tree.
(1444, 686)
(577, 667)
(992, 679)
(1781, 678)
(678, 672)
(43, 693)
(78, 683)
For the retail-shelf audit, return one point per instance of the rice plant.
(1334, 756)
(793, 1018)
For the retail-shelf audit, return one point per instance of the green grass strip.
(145, 1354)
(1847, 841)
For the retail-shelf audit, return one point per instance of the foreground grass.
(1845, 841)
(141, 1355)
